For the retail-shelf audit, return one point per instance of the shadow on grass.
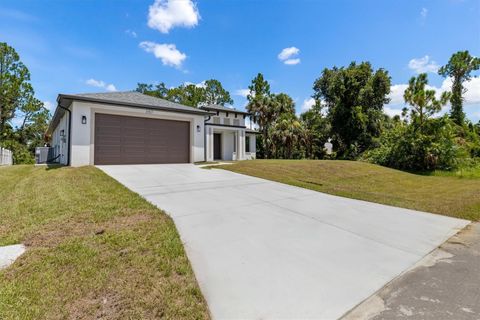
(53, 166)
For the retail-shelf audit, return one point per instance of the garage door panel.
(109, 140)
(134, 140)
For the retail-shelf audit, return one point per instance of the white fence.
(6, 158)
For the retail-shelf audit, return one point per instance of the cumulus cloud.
(131, 33)
(48, 105)
(471, 96)
(287, 56)
(288, 52)
(242, 92)
(307, 104)
(396, 93)
(392, 111)
(167, 53)
(422, 65)
(164, 15)
(292, 61)
(101, 84)
(424, 13)
(198, 85)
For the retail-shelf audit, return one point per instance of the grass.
(439, 193)
(467, 172)
(95, 250)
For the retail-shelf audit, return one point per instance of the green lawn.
(95, 250)
(445, 194)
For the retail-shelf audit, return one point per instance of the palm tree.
(287, 135)
(262, 110)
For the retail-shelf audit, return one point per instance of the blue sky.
(93, 46)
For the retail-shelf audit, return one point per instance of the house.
(133, 128)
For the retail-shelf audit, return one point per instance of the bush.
(407, 147)
(21, 153)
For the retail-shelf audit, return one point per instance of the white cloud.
(242, 92)
(163, 15)
(287, 54)
(167, 53)
(292, 61)
(471, 96)
(396, 93)
(198, 85)
(48, 105)
(101, 84)
(392, 111)
(423, 64)
(424, 13)
(307, 104)
(131, 33)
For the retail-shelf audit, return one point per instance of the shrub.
(405, 147)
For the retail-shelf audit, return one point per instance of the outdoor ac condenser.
(43, 155)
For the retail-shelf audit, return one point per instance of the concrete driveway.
(264, 250)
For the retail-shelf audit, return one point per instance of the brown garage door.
(134, 140)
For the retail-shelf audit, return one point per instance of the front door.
(217, 146)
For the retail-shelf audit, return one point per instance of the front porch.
(229, 143)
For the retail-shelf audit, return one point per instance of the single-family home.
(134, 128)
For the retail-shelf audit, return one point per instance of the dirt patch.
(107, 305)
(55, 233)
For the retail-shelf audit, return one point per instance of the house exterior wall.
(82, 139)
(223, 119)
(59, 143)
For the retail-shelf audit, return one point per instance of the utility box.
(44, 155)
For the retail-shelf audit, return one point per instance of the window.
(216, 120)
(236, 122)
(226, 121)
(247, 144)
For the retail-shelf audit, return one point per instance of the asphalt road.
(444, 285)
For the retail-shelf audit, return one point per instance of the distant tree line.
(17, 101)
(348, 108)
(194, 95)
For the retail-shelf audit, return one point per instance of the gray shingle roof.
(127, 98)
(133, 98)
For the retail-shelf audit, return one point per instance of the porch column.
(242, 143)
(209, 145)
(240, 138)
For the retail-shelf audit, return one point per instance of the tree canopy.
(17, 101)
(193, 95)
(422, 101)
(354, 96)
(459, 68)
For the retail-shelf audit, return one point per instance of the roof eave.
(130, 104)
(225, 110)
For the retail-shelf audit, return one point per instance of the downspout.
(205, 138)
(69, 132)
